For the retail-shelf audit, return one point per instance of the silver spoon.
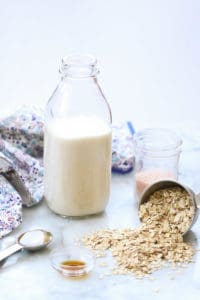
(31, 240)
(162, 184)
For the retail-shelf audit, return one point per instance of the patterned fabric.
(122, 148)
(21, 170)
(24, 130)
(10, 208)
(21, 174)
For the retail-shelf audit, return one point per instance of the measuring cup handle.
(10, 250)
(197, 198)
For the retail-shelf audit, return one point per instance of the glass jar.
(157, 153)
(77, 145)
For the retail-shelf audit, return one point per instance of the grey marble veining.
(29, 276)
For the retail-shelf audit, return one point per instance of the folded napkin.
(21, 169)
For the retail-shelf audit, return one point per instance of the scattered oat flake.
(102, 264)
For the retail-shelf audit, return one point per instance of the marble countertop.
(30, 275)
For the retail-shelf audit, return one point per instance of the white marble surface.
(30, 276)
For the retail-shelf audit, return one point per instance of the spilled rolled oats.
(157, 242)
(170, 209)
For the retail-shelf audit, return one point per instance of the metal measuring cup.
(162, 184)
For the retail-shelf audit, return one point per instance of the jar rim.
(157, 140)
(79, 60)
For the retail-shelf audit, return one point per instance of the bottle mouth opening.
(78, 60)
(158, 141)
(79, 66)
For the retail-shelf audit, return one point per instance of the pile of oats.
(158, 241)
(170, 209)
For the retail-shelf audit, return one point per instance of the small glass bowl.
(72, 261)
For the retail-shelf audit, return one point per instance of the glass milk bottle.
(77, 151)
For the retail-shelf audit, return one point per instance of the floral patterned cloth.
(122, 147)
(21, 170)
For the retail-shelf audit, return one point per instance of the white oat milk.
(77, 163)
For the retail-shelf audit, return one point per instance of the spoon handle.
(10, 250)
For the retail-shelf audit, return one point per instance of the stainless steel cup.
(162, 184)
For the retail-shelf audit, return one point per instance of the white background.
(148, 52)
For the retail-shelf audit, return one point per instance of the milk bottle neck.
(78, 93)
